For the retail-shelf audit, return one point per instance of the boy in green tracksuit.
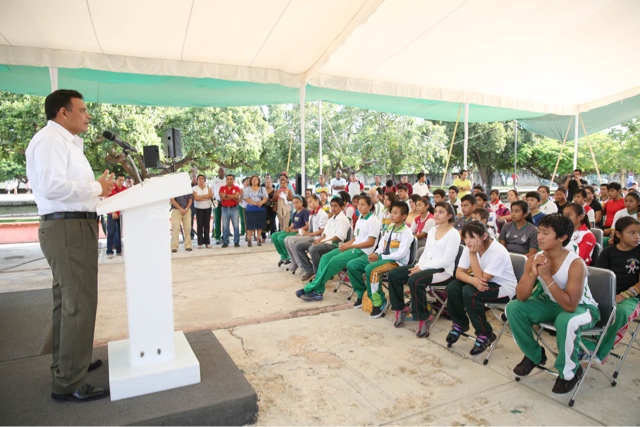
(393, 251)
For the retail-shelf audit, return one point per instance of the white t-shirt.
(621, 214)
(216, 183)
(421, 189)
(548, 207)
(337, 226)
(440, 253)
(496, 262)
(337, 182)
(367, 226)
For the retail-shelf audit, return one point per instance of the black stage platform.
(224, 397)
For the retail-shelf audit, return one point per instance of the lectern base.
(125, 382)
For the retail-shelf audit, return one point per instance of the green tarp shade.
(139, 89)
(595, 120)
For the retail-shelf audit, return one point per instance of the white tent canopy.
(542, 56)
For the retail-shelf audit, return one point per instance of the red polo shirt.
(116, 191)
(229, 203)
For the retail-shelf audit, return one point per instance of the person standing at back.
(216, 184)
(230, 198)
(66, 193)
(463, 184)
(114, 237)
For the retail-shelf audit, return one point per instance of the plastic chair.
(432, 290)
(599, 235)
(597, 250)
(602, 284)
(518, 261)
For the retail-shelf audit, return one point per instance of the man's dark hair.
(560, 224)
(440, 192)
(533, 195)
(345, 196)
(389, 183)
(580, 191)
(454, 188)
(355, 199)
(401, 187)
(420, 175)
(58, 99)
(469, 198)
(578, 170)
(404, 209)
(484, 214)
(614, 186)
(479, 187)
(338, 200)
(462, 171)
(119, 174)
(524, 207)
(482, 195)
(380, 191)
(231, 175)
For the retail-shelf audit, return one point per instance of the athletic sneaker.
(525, 367)
(482, 343)
(455, 332)
(401, 316)
(563, 386)
(312, 296)
(300, 292)
(425, 326)
(358, 303)
(377, 311)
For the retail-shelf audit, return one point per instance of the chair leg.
(624, 356)
(505, 325)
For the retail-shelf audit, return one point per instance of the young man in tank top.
(565, 300)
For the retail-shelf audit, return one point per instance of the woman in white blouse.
(434, 267)
(202, 196)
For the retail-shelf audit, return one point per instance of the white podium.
(155, 357)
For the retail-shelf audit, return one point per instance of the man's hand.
(480, 284)
(414, 270)
(373, 257)
(107, 183)
(115, 215)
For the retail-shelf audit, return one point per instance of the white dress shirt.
(59, 173)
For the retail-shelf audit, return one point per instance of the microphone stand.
(133, 165)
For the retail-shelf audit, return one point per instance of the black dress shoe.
(95, 365)
(84, 393)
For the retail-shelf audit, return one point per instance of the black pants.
(203, 217)
(418, 284)
(466, 300)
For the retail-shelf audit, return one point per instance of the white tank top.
(562, 276)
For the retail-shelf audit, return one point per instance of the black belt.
(229, 207)
(69, 215)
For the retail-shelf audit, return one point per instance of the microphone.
(121, 143)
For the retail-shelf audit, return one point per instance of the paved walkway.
(327, 364)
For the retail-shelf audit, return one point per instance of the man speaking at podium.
(66, 193)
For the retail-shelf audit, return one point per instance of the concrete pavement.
(325, 363)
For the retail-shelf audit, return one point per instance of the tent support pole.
(515, 153)
(593, 156)
(566, 135)
(453, 138)
(320, 133)
(575, 143)
(303, 180)
(466, 133)
(53, 76)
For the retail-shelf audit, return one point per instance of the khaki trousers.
(71, 249)
(176, 219)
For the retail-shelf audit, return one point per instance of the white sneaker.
(110, 256)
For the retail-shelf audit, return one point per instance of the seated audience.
(482, 201)
(533, 201)
(435, 266)
(413, 199)
(478, 189)
(362, 244)
(496, 204)
(631, 201)
(467, 205)
(566, 301)
(298, 246)
(393, 251)
(454, 201)
(389, 187)
(299, 224)
(389, 199)
(582, 241)
(520, 236)
(546, 206)
(439, 195)
(335, 231)
(493, 280)
(594, 204)
(512, 196)
(423, 222)
(580, 197)
(560, 199)
(614, 203)
(484, 216)
(623, 258)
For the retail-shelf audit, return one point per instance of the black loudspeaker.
(151, 155)
(299, 189)
(172, 143)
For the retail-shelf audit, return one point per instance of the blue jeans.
(113, 235)
(233, 215)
